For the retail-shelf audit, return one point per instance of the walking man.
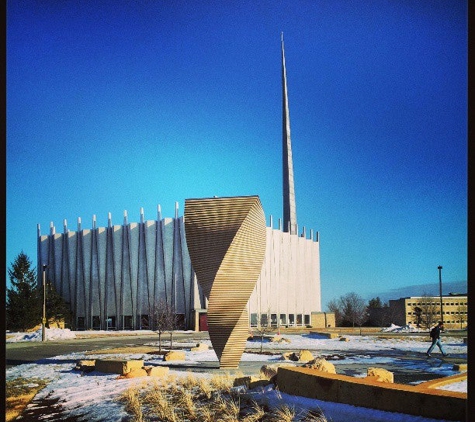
(435, 336)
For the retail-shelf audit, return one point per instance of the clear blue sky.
(118, 105)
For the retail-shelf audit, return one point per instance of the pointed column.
(290, 212)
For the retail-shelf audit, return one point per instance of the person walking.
(435, 336)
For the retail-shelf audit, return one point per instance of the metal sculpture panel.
(226, 239)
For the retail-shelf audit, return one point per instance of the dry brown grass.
(224, 382)
(19, 392)
(200, 399)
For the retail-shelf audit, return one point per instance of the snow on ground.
(95, 394)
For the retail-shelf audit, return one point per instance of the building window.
(144, 324)
(253, 320)
(127, 322)
(283, 319)
(291, 319)
(306, 319)
(81, 324)
(299, 319)
(96, 322)
(273, 320)
(264, 321)
(180, 321)
(111, 323)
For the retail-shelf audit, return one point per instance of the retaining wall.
(422, 400)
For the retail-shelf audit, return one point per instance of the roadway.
(32, 351)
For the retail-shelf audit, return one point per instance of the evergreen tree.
(57, 309)
(24, 300)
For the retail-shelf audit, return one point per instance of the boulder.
(174, 355)
(279, 339)
(157, 371)
(118, 366)
(381, 375)
(86, 365)
(302, 356)
(200, 347)
(250, 382)
(321, 365)
(460, 367)
(268, 371)
(290, 356)
(344, 339)
(305, 356)
(324, 335)
(136, 373)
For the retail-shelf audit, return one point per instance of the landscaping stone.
(461, 367)
(380, 374)
(157, 371)
(174, 355)
(85, 365)
(117, 366)
(321, 365)
(305, 356)
(251, 382)
(136, 373)
(200, 347)
(290, 356)
(325, 335)
(279, 339)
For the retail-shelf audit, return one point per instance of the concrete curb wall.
(415, 400)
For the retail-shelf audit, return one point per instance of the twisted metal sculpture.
(226, 239)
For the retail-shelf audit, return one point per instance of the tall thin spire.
(290, 210)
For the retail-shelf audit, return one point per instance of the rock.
(174, 355)
(461, 367)
(267, 371)
(118, 366)
(289, 356)
(270, 371)
(380, 374)
(321, 365)
(302, 356)
(200, 347)
(136, 373)
(279, 339)
(250, 382)
(157, 371)
(85, 365)
(344, 339)
(305, 356)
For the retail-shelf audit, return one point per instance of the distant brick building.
(410, 310)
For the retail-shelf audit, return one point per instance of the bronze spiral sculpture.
(226, 239)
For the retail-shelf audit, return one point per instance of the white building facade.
(116, 277)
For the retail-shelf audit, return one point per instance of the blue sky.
(114, 106)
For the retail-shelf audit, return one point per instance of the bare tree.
(163, 320)
(461, 313)
(264, 326)
(349, 309)
(428, 309)
(353, 308)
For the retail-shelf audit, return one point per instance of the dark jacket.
(435, 332)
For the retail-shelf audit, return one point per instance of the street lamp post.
(43, 321)
(440, 293)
